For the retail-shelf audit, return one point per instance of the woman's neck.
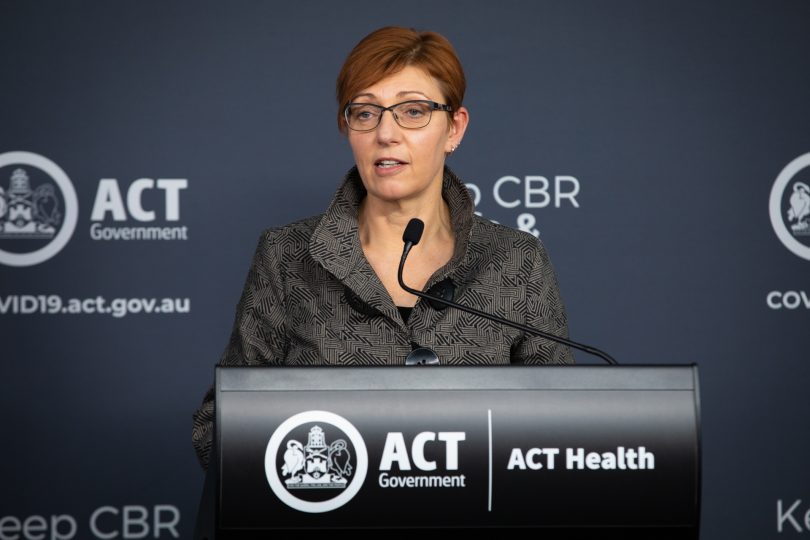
(381, 227)
(381, 223)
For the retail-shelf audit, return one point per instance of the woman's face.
(396, 163)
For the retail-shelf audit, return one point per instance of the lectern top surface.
(459, 378)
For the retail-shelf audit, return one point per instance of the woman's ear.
(458, 125)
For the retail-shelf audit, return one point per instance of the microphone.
(412, 235)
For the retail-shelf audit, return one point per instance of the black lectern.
(579, 451)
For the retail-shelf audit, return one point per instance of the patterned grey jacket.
(312, 298)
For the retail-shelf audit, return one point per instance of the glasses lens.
(413, 114)
(362, 117)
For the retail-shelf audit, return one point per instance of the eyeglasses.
(412, 114)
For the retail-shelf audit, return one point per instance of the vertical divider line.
(489, 496)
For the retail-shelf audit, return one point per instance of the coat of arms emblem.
(799, 209)
(26, 212)
(316, 464)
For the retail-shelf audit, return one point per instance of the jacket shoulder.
(297, 233)
(516, 256)
(489, 235)
(278, 247)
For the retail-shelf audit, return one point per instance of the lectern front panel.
(457, 447)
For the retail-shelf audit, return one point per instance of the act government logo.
(789, 206)
(316, 461)
(38, 208)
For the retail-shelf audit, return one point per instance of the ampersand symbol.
(525, 222)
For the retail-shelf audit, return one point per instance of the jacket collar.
(335, 243)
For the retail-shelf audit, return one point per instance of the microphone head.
(413, 232)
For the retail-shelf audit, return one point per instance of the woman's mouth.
(388, 163)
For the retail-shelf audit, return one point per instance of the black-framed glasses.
(413, 114)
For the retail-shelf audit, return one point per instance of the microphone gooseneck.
(411, 237)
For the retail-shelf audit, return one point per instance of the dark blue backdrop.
(674, 120)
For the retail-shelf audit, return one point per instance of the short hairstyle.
(390, 49)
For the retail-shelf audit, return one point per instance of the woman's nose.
(388, 130)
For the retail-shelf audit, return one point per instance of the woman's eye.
(363, 114)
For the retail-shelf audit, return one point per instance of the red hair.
(389, 50)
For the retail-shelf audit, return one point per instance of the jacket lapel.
(335, 243)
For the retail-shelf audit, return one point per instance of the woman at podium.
(324, 290)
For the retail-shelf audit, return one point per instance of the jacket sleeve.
(259, 334)
(544, 311)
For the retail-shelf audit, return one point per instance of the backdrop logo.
(790, 206)
(111, 204)
(38, 210)
(529, 193)
(323, 465)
